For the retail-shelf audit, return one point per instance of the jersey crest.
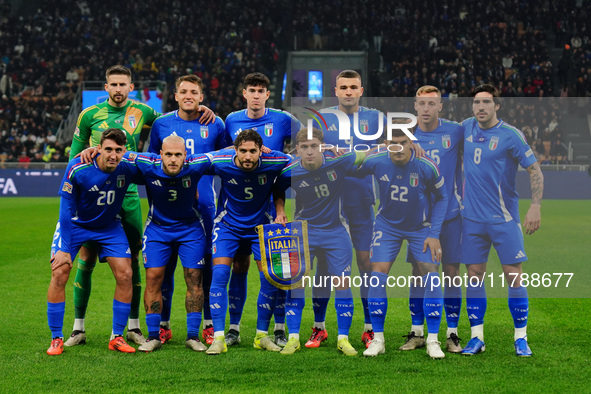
(364, 126)
(186, 181)
(120, 181)
(332, 175)
(268, 129)
(494, 142)
(262, 179)
(132, 121)
(204, 131)
(414, 179)
(446, 141)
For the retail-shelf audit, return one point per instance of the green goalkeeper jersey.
(100, 117)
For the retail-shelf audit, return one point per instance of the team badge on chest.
(204, 131)
(494, 142)
(414, 179)
(364, 126)
(446, 141)
(186, 181)
(262, 179)
(268, 129)
(120, 181)
(332, 175)
(132, 121)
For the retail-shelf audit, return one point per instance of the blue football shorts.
(185, 240)
(477, 238)
(111, 241)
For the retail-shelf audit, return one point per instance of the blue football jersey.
(368, 123)
(198, 139)
(274, 126)
(319, 192)
(244, 195)
(491, 158)
(411, 196)
(443, 146)
(92, 198)
(171, 198)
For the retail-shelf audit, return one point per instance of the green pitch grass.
(558, 330)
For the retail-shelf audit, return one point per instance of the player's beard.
(118, 98)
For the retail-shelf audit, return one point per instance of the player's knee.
(194, 279)
(60, 275)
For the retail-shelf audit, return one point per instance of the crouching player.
(91, 196)
(173, 227)
(318, 180)
(406, 211)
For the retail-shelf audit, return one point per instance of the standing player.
(199, 138)
(318, 180)
(412, 207)
(173, 227)
(492, 152)
(360, 197)
(276, 128)
(130, 116)
(442, 140)
(91, 197)
(247, 177)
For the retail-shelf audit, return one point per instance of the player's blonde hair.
(302, 135)
(427, 89)
(173, 138)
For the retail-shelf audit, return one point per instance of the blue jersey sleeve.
(435, 183)
(521, 151)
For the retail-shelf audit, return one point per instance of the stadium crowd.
(453, 45)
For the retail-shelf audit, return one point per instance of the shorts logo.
(262, 179)
(494, 142)
(120, 181)
(268, 129)
(332, 175)
(186, 181)
(446, 141)
(132, 122)
(204, 131)
(364, 126)
(214, 248)
(67, 187)
(414, 179)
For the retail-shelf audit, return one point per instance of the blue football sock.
(237, 296)
(206, 285)
(476, 303)
(153, 323)
(168, 287)
(343, 303)
(433, 304)
(193, 324)
(120, 315)
(415, 303)
(279, 311)
(377, 302)
(294, 306)
(364, 291)
(519, 306)
(265, 303)
(320, 298)
(218, 296)
(452, 302)
(55, 318)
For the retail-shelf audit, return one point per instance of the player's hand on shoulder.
(419, 151)
(207, 117)
(533, 219)
(265, 149)
(59, 259)
(88, 154)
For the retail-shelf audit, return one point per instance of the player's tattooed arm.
(533, 216)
